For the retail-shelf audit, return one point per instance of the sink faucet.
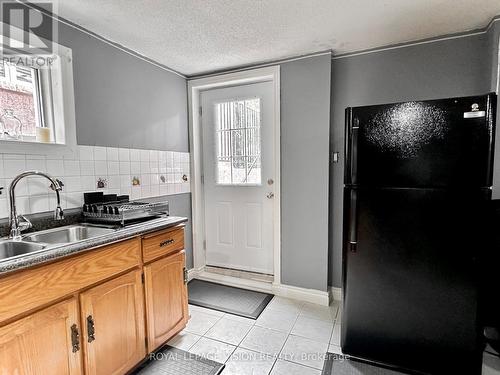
(19, 223)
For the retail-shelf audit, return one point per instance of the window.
(20, 103)
(38, 101)
(238, 146)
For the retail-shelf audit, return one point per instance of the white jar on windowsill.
(43, 135)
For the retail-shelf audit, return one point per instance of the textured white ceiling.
(196, 36)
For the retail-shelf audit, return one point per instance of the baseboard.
(287, 291)
(336, 293)
(308, 295)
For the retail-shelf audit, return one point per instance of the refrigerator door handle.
(353, 239)
(354, 151)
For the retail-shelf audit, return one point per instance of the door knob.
(270, 195)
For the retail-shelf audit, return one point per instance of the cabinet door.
(113, 325)
(42, 343)
(166, 299)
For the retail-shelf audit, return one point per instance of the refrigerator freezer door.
(410, 284)
(421, 144)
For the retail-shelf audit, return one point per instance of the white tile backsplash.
(135, 167)
(135, 155)
(159, 172)
(55, 167)
(112, 153)
(4, 212)
(145, 167)
(100, 153)
(113, 168)
(35, 164)
(13, 167)
(87, 168)
(39, 203)
(145, 179)
(86, 153)
(153, 155)
(124, 154)
(71, 168)
(114, 182)
(144, 155)
(101, 167)
(124, 167)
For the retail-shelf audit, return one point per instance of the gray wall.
(493, 41)
(123, 101)
(180, 205)
(454, 67)
(305, 123)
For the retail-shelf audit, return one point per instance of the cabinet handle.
(75, 338)
(166, 242)
(90, 328)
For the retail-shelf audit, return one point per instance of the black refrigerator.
(418, 176)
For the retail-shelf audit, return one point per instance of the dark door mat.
(228, 299)
(173, 361)
(336, 364)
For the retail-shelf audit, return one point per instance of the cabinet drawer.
(161, 243)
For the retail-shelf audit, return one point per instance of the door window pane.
(237, 138)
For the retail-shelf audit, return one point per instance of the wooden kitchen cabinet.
(166, 298)
(46, 342)
(113, 325)
(90, 313)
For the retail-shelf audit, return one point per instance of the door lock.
(270, 181)
(270, 195)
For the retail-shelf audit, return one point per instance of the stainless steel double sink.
(38, 241)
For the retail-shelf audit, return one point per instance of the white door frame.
(195, 88)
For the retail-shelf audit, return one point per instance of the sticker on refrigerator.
(475, 112)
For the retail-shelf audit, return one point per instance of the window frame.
(58, 108)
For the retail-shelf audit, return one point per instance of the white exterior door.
(238, 176)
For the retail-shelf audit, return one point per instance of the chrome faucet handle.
(23, 223)
(59, 185)
(59, 213)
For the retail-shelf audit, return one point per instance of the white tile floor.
(290, 337)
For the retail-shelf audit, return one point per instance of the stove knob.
(117, 211)
(94, 208)
(104, 209)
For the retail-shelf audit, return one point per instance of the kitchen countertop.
(63, 250)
